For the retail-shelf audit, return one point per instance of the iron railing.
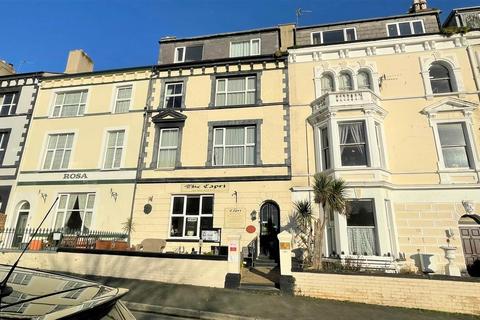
(51, 239)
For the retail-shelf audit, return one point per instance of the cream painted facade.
(243, 188)
(72, 127)
(416, 196)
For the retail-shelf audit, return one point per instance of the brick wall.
(209, 273)
(439, 295)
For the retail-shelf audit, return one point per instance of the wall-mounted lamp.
(253, 215)
(43, 195)
(381, 79)
(235, 194)
(113, 194)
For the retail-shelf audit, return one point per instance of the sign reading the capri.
(75, 176)
(235, 218)
(205, 187)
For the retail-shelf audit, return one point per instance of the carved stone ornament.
(468, 206)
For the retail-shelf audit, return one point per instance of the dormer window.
(405, 28)
(245, 48)
(334, 36)
(188, 54)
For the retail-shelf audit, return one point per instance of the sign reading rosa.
(75, 176)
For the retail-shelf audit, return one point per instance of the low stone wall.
(199, 271)
(438, 295)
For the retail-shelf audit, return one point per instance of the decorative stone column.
(232, 279)
(286, 279)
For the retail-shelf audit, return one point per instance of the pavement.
(156, 300)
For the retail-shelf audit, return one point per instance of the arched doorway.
(22, 217)
(269, 229)
(469, 226)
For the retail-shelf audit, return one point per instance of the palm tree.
(303, 219)
(329, 194)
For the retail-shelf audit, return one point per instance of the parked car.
(46, 295)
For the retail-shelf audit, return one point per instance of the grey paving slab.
(263, 305)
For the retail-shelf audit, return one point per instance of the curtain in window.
(327, 83)
(255, 47)
(345, 82)
(364, 80)
(168, 148)
(236, 98)
(234, 141)
(241, 49)
(352, 133)
(361, 241)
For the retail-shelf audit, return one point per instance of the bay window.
(345, 82)
(190, 215)
(75, 211)
(234, 146)
(454, 144)
(327, 83)
(353, 144)
(363, 79)
(235, 91)
(362, 239)
(325, 148)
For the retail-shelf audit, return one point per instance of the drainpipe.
(308, 159)
(138, 173)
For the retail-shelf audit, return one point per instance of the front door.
(269, 229)
(20, 229)
(471, 244)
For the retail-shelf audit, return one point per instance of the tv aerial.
(299, 12)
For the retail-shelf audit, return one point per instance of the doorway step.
(264, 278)
(264, 261)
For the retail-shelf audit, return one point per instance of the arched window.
(345, 82)
(327, 84)
(440, 79)
(21, 224)
(25, 207)
(363, 79)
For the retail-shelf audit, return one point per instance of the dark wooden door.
(20, 229)
(471, 243)
(269, 229)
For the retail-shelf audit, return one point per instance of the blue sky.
(38, 34)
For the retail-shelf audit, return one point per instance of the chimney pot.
(6, 68)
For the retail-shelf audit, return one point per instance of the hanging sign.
(205, 187)
(235, 218)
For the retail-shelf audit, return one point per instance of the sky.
(37, 34)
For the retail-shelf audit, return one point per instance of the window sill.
(165, 169)
(78, 116)
(110, 169)
(189, 240)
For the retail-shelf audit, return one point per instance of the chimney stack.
(418, 6)
(6, 68)
(78, 61)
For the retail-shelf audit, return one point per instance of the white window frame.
(11, 105)
(3, 135)
(83, 212)
(321, 163)
(224, 146)
(184, 215)
(116, 99)
(468, 148)
(115, 148)
(49, 136)
(344, 34)
(226, 92)
(366, 143)
(61, 106)
(250, 47)
(176, 55)
(375, 227)
(166, 95)
(412, 30)
(160, 148)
